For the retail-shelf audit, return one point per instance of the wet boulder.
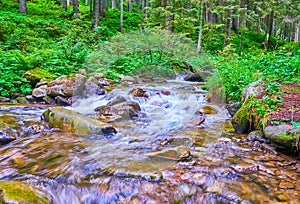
(116, 100)
(4, 99)
(71, 121)
(8, 132)
(90, 89)
(139, 92)
(20, 192)
(66, 86)
(241, 120)
(40, 92)
(180, 153)
(208, 110)
(119, 111)
(283, 135)
(194, 77)
(36, 75)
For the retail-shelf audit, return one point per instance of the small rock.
(90, 88)
(256, 135)
(22, 100)
(82, 72)
(40, 92)
(31, 99)
(4, 99)
(62, 101)
(180, 153)
(138, 92)
(194, 77)
(282, 197)
(42, 82)
(116, 100)
(165, 92)
(208, 110)
(286, 185)
(233, 108)
(49, 100)
(6, 137)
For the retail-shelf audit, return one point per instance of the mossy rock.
(71, 121)
(282, 135)
(20, 192)
(241, 120)
(36, 75)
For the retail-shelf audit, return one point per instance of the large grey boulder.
(71, 121)
(66, 86)
(256, 89)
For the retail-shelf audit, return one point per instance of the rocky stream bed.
(153, 142)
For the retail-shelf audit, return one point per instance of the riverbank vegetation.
(243, 40)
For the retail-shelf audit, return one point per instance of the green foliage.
(48, 37)
(273, 67)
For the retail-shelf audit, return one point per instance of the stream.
(224, 167)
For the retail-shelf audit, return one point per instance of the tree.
(113, 4)
(121, 15)
(96, 15)
(75, 8)
(23, 7)
(199, 45)
(64, 4)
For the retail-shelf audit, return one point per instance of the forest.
(149, 101)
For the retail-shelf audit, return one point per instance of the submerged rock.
(208, 110)
(180, 153)
(20, 192)
(68, 120)
(138, 92)
(7, 132)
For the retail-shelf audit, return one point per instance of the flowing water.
(223, 166)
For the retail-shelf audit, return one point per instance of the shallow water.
(118, 169)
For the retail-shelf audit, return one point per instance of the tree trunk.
(113, 4)
(235, 22)
(64, 4)
(75, 8)
(168, 16)
(199, 45)
(105, 5)
(129, 6)
(101, 8)
(227, 27)
(241, 44)
(121, 15)
(23, 7)
(96, 16)
(147, 4)
(270, 28)
(86, 2)
(143, 13)
(296, 38)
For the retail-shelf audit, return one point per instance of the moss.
(21, 192)
(286, 140)
(241, 120)
(35, 75)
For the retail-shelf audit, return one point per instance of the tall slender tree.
(199, 44)
(121, 15)
(75, 8)
(96, 15)
(64, 4)
(113, 4)
(23, 7)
